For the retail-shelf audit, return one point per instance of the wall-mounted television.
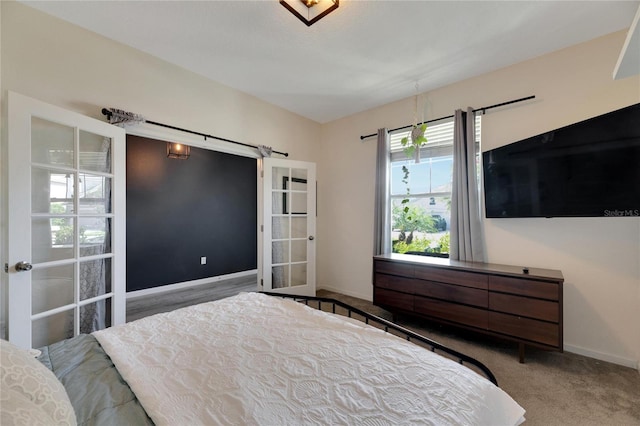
(587, 169)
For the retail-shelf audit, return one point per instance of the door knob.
(23, 266)
(310, 237)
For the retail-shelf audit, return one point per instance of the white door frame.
(265, 224)
(18, 210)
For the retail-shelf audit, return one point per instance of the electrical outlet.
(203, 260)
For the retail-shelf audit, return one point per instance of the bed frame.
(338, 307)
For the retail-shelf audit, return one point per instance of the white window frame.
(439, 136)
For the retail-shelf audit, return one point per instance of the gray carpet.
(554, 388)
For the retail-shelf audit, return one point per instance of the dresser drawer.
(498, 300)
(452, 293)
(391, 268)
(393, 299)
(467, 279)
(460, 314)
(525, 328)
(525, 287)
(523, 306)
(392, 282)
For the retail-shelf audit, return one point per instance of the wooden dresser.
(511, 302)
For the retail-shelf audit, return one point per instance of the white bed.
(255, 359)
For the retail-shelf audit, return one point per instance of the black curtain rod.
(155, 123)
(483, 109)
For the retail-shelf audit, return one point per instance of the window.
(424, 228)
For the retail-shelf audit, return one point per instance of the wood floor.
(140, 307)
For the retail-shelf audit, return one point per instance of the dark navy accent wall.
(181, 210)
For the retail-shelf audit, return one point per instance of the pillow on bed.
(30, 394)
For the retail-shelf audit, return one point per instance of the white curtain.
(467, 242)
(382, 221)
(95, 276)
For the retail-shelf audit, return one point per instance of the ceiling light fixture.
(313, 9)
(177, 150)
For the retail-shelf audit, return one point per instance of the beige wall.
(599, 257)
(51, 60)
(62, 64)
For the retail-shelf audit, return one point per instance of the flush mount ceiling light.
(177, 150)
(314, 10)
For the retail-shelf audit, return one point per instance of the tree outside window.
(424, 227)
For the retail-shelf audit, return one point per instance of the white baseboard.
(187, 284)
(614, 359)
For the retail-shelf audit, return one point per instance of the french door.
(66, 230)
(289, 224)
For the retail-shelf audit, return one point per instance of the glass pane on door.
(52, 239)
(52, 143)
(299, 250)
(51, 191)
(280, 252)
(280, 227)
(95, 152)
(298, 227)
(71, 198)
(279, 178)
(51, 288)
(298, 274)
(95, 316)
(280, 276)
(299, 175)
(52, 329)
(95, 278)
(278, 203)
(298, 203)
(94, 235)
(94, 194)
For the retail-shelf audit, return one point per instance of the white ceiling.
(363, 55)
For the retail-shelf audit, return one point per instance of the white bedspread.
(259, 360)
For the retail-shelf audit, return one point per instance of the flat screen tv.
(586, 169)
